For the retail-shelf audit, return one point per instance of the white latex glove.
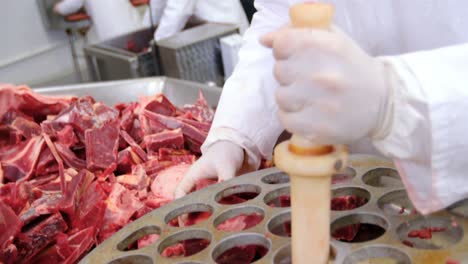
(220, 161)
(68, 7)
(330, 91)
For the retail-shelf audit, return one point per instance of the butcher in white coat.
(398, 84)
(111, 18)
(171, 16)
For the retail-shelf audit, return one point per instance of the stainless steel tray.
(369, 177)
(113, 92)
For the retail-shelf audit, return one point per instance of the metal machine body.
(111, 59)
(195, 54)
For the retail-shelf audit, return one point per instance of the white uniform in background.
(172, 15)
(425, 43)
(111, 18)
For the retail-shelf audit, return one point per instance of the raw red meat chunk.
(190, 219)
(238, 198)
(281, 201)
(347, 202)
(74, 171)
(240, 222)
(186, 248)
(358, 232)
(242, 255)
(425, 233)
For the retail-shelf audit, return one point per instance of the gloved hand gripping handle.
(310, 167)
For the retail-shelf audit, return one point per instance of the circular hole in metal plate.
(460, 208)
(377, 254)
(284, 255)
(430, 233)
(278, 198)
(396, 203)
(185, 243)
(382, 177)
(239, 219)
(357, 228)
(344, 199)
(139, 239)
(238, 194)
(344, 176)
(133, 259)
(280, 225)
(241, 248)
(276, 178)
(189, 215)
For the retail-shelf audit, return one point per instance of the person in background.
(390, 78)
(111, 18)
(249, 9)
(172, 16)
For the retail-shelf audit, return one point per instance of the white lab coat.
(171, 16)
(428, 140)
(111, 18)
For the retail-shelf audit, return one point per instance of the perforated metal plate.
(371, 178)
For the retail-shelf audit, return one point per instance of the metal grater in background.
(195, 54)
(386, 210)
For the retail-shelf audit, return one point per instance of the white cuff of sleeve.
(68, 7)
(402, 119)
(231, 135)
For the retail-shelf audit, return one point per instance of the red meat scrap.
(242, 254)
(147, 240)
(200, 111)
(158, 104)
(122, 204)
(425, 233)
(18, 162)
(240, 222)
(186, 248)
(166, 139)
(31, 242)
(10, 226)
(190, 219)
(24, 100)
(166, 182)
(347, 202)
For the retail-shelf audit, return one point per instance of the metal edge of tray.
(195, 35)
(113, 92)
(386, 245)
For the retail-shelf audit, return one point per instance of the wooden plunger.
(310, 168)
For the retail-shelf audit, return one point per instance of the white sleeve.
(174, 17)
(246, 113)
(430, 125)
(157, 9)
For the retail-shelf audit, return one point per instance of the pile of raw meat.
(74, 171)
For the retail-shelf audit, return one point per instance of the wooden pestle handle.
(310, 15)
